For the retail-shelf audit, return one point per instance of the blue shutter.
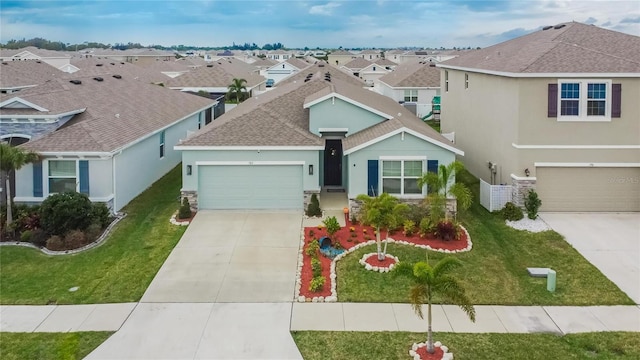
(83, 165)
(37, 179)
(372, 178)
(432, 166)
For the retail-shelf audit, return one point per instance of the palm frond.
(403, 268)
(445, 265)
(462, 194)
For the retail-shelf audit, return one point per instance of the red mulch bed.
(349, 239)
(373, 261)
(424, 355)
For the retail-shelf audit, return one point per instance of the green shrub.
(316, 267)
(93, 232)
(55, 243)
(511, 212)
(312, 248)
(409, 227)
(437, 206)
(332, 225)
(314, 207)
(63, 212)
(26, 236)
(317, 283)
(446, 230)
(185, 209)
(532, 203)
(100, 214)
(416, 213)
(38, 237)
(74, 239)
(426, 226)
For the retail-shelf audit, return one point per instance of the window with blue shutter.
(432, 166)
(372, 178)
(83, 166)
(37, 179)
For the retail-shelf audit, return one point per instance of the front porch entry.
(333, 163)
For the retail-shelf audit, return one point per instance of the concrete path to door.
(231, 256)
(610, 241)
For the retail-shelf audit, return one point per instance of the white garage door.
(588, 189)
(250, 187)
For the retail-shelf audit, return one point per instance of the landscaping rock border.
(98, 242)
(415, 356)
(535, 226)
(332, 276)
(382, 269)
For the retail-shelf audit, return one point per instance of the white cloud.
(326, 9)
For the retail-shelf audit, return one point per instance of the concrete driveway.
(610, 241)
(231, 256)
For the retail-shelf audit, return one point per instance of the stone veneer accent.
(355, 206)
(519, 190)
(192, 195)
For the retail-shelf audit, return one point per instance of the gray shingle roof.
(573, 48)
(413, 74)
(118, 112)
(15, 74)
(357, 64)
(218, 74)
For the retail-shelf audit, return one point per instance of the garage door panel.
(588, 189)
(250, 187)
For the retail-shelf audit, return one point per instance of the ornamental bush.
(511, 212)
(63, 212)
(316, 267)
(317, 283)
(532, 203)
(185, 210)
(313, 248)
(332, 225)
(446, 230)
(314, 207)
(100, 214)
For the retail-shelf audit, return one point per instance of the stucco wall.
(393, 146)
(336, 113)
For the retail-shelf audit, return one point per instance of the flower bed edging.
(332, 271)
(382, 269)
(416, 347)
(177, 222)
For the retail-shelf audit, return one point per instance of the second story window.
(446, 80)
(466, 81)
(162, 144)
(411, 95)
(584, 100)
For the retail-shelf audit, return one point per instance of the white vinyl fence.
(493, 197)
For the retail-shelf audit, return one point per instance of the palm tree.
(382, 212)
(237, 89)
(443, 185)
(429, 281)
(12, 159)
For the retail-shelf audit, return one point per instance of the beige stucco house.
(557, 110)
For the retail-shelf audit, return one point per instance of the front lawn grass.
(43, 346)
(494, 271)
(117, 271)
(395, 345)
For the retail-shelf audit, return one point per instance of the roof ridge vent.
(117, 76)
(209, 65)
(98, 79)
(559, 26)
(75, 82)
(547, 27)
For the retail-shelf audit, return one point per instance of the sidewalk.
(348, 317)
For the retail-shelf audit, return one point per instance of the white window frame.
(466, 80)
(446, 81)
(583, 100)
(411, 96)
(402, 159)
(49, 177)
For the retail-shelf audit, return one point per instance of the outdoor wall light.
(527, 172)
(310, 169)
(188, 169)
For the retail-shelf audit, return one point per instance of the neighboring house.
(557, 110)
(99, 66)
(284, 69)
(415, 84)
(141, 57)
(18, 75)
(280, 55)
(374, 71)
(263, 64)
(340, 57)
(109, 137)
(371, 55)
(276, 150)
(433, 56)
(58, 59)
(354, 66)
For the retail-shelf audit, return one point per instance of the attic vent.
(432, 65)
(121, 63)
(559, 26)
(305, 80)
(113, 63)
(219, 63)
(98, 79)
(320, 65)
(117, 76)
(210, 65)
(38, 62)
(5, 63)
(98, 64)
(75, 82)
(547, 27)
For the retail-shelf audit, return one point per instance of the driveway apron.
(610, 241)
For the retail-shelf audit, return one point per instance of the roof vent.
(432, 65)
(559, 26)
(38, 62)
(117, 76)
(209, 65)
(75, 82)
(307, 79)
(5, 63)
(320, 65)
(113, 63)
(98, 64)
(547, 27)
(121, 63)
(98, 79)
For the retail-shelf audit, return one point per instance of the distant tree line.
(41, 43)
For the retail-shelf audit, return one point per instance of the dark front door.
(333, 163)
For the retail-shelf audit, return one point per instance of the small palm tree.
(382, 212)
(443, 185)
(429, 281)
(237, 89)
(12, 159)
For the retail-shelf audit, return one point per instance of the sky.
(296, 24)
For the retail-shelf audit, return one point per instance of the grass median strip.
(395, 345)
(494, 271)
(117, 271)
(44, 346)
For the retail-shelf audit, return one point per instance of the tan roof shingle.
(413, 75)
